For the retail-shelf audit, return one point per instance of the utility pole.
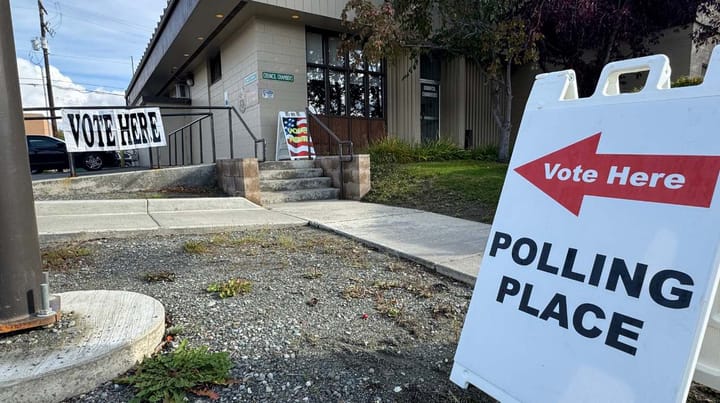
(48, 81)
(23, 296)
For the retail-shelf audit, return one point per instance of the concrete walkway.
(452, 246)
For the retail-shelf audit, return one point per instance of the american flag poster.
(299, 143)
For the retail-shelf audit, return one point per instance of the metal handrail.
(182, 131)
(340, 144)
(255, 139)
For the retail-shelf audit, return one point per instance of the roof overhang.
(191, 30)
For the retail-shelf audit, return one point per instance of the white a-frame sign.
(603, 260)
(293, 138)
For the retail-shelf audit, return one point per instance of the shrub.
(395, 151)
(168, 377)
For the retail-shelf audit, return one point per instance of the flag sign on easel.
(293, 139)
(603, 260)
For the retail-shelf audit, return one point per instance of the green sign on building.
(278, 76)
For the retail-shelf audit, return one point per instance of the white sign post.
(293, 138)
(602, 263)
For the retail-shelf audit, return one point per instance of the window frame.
(347, 71)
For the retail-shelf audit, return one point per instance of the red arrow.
(571, 173)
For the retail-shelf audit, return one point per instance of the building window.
(342, 84)
(215, 69)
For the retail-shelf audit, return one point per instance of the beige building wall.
(281, 50)
(453, 93)
(37, 126)
(325, 8)
(403, 101)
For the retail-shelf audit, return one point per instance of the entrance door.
(429, 110)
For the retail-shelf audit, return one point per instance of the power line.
(74, 82)
(85, 91)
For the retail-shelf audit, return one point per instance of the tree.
(585, 35)
(496, 35)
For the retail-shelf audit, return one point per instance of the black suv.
(50, 153)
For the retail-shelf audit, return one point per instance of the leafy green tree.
(498, 35)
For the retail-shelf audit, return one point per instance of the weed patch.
(60, 259)
(195, 247)
(230, 288)
(163, 276)
(168, 377)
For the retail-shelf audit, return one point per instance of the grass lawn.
(467, 189)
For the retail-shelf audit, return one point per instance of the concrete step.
(290, 173)
(299, 164)
(299, 195)
(295, 184)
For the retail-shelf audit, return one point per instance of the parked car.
(50, 153)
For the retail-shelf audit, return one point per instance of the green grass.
(463, 188)
(473, 180)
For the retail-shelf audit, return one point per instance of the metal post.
(182, 145)
(20, 273)
(191, 146)
(43, 40)
(201, 143)
(212, 136)
(232, 149)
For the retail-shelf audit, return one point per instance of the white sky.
(90, 51)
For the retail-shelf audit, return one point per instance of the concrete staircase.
(288, 181)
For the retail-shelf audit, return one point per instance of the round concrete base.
(115, 329)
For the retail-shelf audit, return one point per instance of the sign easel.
(603, 261)
(293, 138)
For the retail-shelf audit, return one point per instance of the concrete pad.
(83, 207)
(464, 270)
(332, 211)
(452, 246)
(222, 219)
(64, 224)
(115, 329)
(200, 204)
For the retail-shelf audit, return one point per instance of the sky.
(94, 47)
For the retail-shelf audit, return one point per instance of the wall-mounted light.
(190, 80)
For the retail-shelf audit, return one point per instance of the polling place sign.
(112, 129)
(602, 263)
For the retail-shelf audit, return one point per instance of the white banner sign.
(112, 129)
(602, 264)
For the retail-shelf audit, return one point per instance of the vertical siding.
(453, 89)
(479, 103)
(403, 102)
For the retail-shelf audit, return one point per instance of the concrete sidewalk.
(451, 246)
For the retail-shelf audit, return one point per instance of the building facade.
(266, 56)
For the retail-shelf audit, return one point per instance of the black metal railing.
(340, 145)
(178, 147)
(181, 141)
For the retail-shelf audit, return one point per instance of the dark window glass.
(336, 99)
(357, 94)
(334, 57)
(342, 84)
(316, 90)
(215, 69)
(375, 97)
(314, 48)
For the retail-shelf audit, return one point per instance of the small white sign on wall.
(603, 258)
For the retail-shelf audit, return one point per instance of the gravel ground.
(327, 319)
